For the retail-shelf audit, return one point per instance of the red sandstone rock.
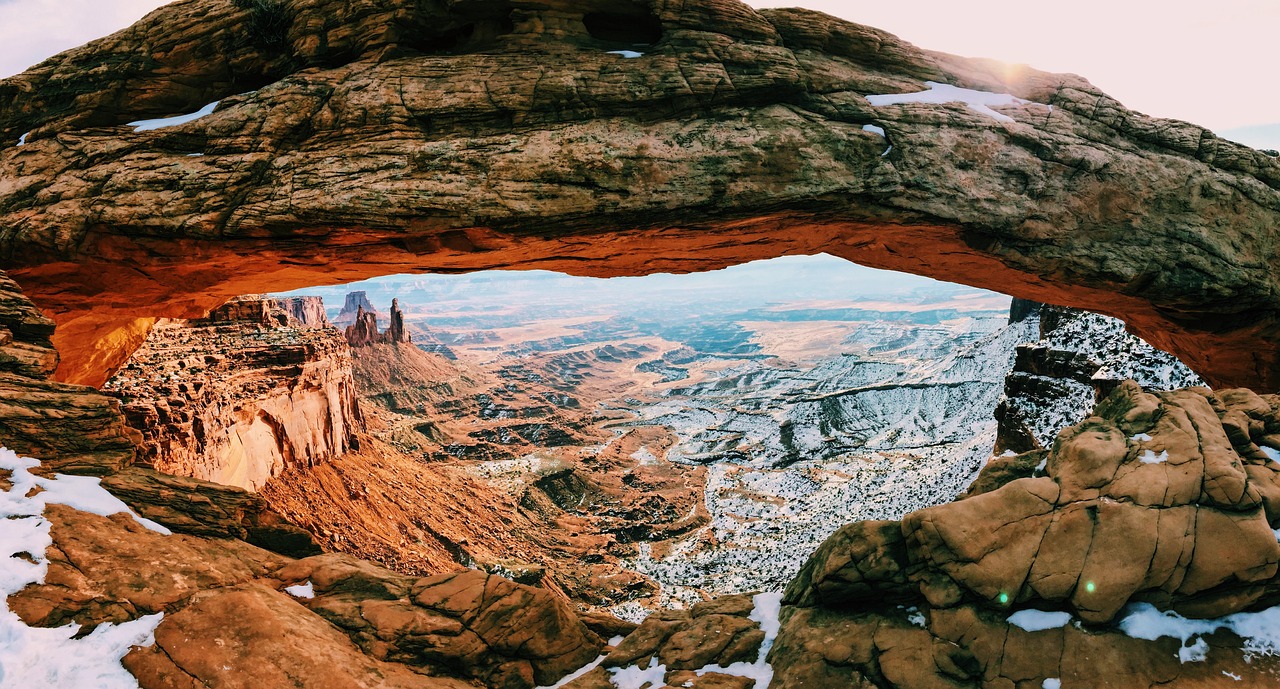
(241, 395)
(397, 136)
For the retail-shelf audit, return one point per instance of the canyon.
(206, 485)
(396, 137)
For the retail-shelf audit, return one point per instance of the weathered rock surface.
(242, 395)
(252, 636)
(1164, 498)
(227, 624)
(968, 648)
(363, 330)
(1079, 359)
(468, 624)
(396, 137)
(77, 428)
(718, 632)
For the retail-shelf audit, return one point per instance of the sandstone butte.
(353, 140)
(357, 139)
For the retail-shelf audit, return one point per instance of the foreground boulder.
(352, 140)
(1165, 498)
(1158, 499)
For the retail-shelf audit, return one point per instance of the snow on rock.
(1039, 620)
(636, 677)
(90, 661)
(1270, 452)
(579, 672)
(978, 101)
(303, 590)
(1119, 354)
(626, 53)
(1149, 457)
(791, 456)
(22, 140)
(148, 125)
(1141, 437)
(1259, 630)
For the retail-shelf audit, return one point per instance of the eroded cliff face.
(395, 136)
(242, 395)
(75, 426)
(1080, 358)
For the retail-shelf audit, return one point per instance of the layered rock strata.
(394, 136)
(1165, 498)
(364, 332)
(76, 426)
(1079, 359)
(241, 395)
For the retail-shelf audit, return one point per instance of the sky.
(1209, 63)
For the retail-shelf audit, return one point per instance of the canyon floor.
(654, 442)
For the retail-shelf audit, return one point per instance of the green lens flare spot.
(1004, 599)
(1089, 587)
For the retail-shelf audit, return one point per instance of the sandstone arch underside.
(360, 139)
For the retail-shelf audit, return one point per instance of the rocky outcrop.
(467, 624)
(242, 395)
(78, 428)
(363, 330)
(398, 136)
(355, 303)
(355, 625)
(1079, 359)
(1162, 498)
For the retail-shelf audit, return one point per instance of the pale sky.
(1210, 63)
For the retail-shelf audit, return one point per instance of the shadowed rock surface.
(358, 140)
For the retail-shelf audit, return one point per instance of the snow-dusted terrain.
(898, 420)
(1119, 356)
(58, 656)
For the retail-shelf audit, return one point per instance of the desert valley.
(614, 344)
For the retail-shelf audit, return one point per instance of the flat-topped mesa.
(270, 312)
(355, 303)
(364, 329)
(358, 139)
(245, 393)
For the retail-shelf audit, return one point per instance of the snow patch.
(578, 673)
(1260, 630)
(148, 125)
(767, 608)
(938, 94)
(1149, 457)
(1271, 453)
(635, 677)
(1140, 437)
(1039, 620)
(22, 140)
(1044, 463)
(303, 590)
(1232, 675)
(1051, 683)
(52, 657)
(626, 53)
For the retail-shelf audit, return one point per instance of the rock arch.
(737, 135)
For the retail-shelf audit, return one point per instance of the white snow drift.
(44, 657)
(938, 94)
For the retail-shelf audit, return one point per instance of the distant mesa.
(271, 312)
(363, 331)
(351, 309)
